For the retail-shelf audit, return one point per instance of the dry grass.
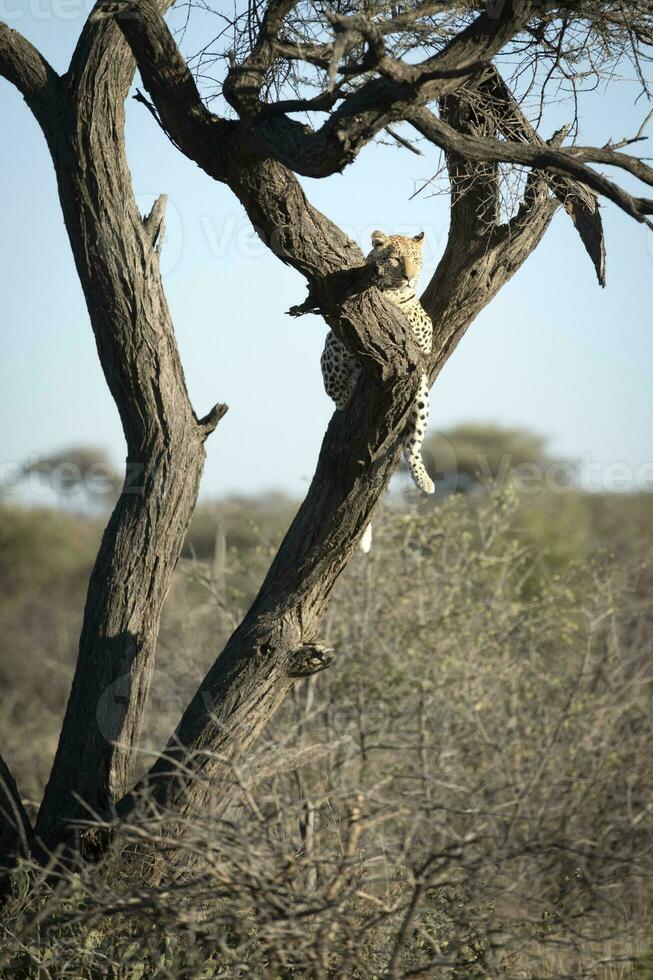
(465, 794)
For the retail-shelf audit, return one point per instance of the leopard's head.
(398, 258)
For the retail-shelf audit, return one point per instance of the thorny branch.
(385, 90)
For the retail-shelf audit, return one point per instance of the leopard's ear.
(419, 238)
(378, 238)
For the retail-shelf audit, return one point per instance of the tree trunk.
(251, 677)
(117, 259)
(116, 252)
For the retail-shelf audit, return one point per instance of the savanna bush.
(465, 793)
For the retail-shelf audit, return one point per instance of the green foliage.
(45, 560)
(250, 525)
(644, 967)
(39, 548)
(484, 452)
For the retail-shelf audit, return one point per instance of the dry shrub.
(465, 793)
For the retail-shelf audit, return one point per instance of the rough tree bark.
(358, 457)
(117, 257)
(15, 828)
(116, 253)
(359, 453)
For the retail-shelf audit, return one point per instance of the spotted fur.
(399, 260)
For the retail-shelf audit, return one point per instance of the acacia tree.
(305, 87)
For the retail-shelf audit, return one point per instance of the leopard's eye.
(394, 262)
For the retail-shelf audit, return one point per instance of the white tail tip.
(429, 485)
(366, 541)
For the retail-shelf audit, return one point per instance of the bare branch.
(154, 222)
(403, 142)
(382, 101)
(362, 114)
(27, 69)
(210, 422)
(481, 255)
(565, 162)
(167, 78)
(493, 98)
(243, 83)
(354, 123)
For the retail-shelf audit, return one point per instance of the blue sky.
(553, 352)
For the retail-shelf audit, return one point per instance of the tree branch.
(381, 101)
(242, 86)
(116, 251)
(196, 131)
(363, 114)
(27, 69)
(481, 255)
(561, 162)
(498, 102)
(15, 826)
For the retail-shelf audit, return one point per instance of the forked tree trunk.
(359, 454)
(116, 253)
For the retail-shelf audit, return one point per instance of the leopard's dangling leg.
(419, 420)
(340, 371)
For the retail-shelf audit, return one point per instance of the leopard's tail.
(419, 420)
(365, 542)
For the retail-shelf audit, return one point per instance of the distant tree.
(304, 88)
(82, 472)
(470, 455)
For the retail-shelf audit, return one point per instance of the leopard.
(398, 260)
